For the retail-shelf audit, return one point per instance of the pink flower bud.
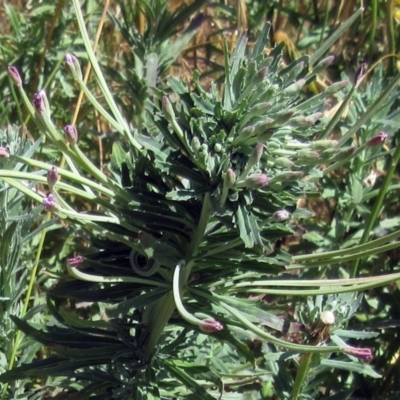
(73, 65)
(255, 181)
(75, 262)
(71, 134)
(360, 73)
(52, 177)
(209, 325)
(167, 108)
(362, 353)
(281, 215)
(377, 140)
(4, 153)
(41, 103)
(14, 74)
(49, 203)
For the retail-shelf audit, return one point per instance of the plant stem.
(378, 205)
(301, 375)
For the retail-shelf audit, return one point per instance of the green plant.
(192, 204)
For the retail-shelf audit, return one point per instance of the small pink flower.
(210, 325)
(75, 262)
(73, 65)
(377, 140)
(50, 203)
(362, 353)
(52, 177)
(71, 134)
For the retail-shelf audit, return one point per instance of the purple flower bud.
(52, 177)
(377, 140)
(73, 65)
(323, 64)
(71, 134)
(281, 215)
(75, 262)
(335, 87)
(50, 203)
(4, 153)
(14, 74)
(362, 353)
(209, 325)
(255, 181)
(287, 176)
(230, 177)
(41, 103)
(259, 77)
(360, 72)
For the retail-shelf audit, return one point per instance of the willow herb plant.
(196, 197)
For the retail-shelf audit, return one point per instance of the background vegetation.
(163, 143)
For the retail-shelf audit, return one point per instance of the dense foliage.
(234, 233)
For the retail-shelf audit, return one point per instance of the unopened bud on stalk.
(323, 64)
(313, 118)
(49, 203)
(281, 215)
(71, 134)
(209, 325)
(14, 74)
(308, 154)
(229, 180)
(287, 176)
(377, 140)
(73, 65)
(283, 162)
(282, 117)
(335, 87)
(167, 109)
(41, 103)
(323, 144)
(75, 262)
(361, 70)
(362, 353)
(295, 88)
(261, 74)
(52, 177)
(255, 181)
(4, 153)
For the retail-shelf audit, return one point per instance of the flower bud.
(209, 325)
(360, 73)
(281, 215)
(323, 64)
(52, 177)
(167, 109)
(14, 74)
(362, 353)
(41, 103)
(71, 134)
(4, 153)
(287, 176)
(295, 88)
(305, 153)
(323, 144)
(313, 118)
(261, 74)
(73, 65)
(74, 262)
(255, 181)
(335, 87)
(283, 162)
(49, 203)
(377, 140)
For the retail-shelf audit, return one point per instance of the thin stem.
(82, 276)
(301, 375)
(378, 205)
